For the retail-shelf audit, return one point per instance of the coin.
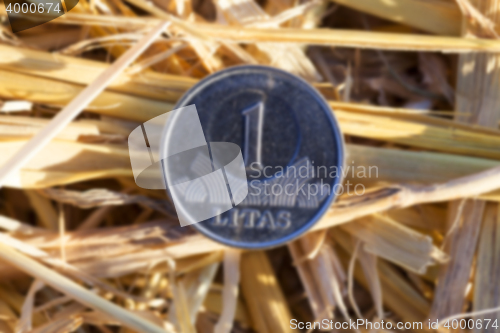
(292, 150)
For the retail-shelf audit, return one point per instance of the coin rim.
(193, 91)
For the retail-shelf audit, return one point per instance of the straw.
(76, 106)
(68, 287)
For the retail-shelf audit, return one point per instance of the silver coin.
(291, 145)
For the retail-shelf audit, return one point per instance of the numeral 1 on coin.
(252, 143)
